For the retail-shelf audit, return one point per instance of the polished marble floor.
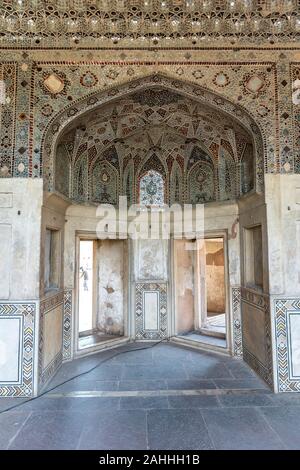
(164, 397)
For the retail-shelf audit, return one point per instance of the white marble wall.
(283, 218)
(20, 234)
(283, 215)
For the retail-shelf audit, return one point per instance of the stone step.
(215, 332)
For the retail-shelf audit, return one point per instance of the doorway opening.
(200, 291)
(102, 292)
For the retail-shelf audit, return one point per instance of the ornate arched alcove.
(158, 141)
(205, 147)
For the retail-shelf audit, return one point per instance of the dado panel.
(17, 332)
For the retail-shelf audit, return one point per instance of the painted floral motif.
(88, 80)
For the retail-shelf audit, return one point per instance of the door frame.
(228, 313)
(109, 344)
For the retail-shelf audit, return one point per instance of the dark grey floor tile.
(193, 401)
(73, 385)
(241, 383)
(239, 369)
(190, 384)
(285, 399)
(249, 399)
(121, 430)
(80, 366)
(96, 403)
(139, 372)
(134, 357)
(240, 428)
(200, 356)
(207, 370)
(285, 420)
(49, 430)
(107, 372)
(6, 403)
(52, 404)
(87, 384)
(177, 430)
(10, 424)
(146, 403)
(107, 385)
(158, 384)
(174, 353)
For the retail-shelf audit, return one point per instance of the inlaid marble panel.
(151, 311)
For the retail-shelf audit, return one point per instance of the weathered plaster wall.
(112, 288)
(20, 231)
(184, 287)
(283, 215)
(283, 212)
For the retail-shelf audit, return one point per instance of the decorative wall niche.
(202, 155)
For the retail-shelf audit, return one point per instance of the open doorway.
(200, 291)
(102, 292)
(213, 318)
(86, 275)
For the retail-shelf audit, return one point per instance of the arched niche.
(247, 170)
(103, 182)
(176, 184)
(152, 97)
(201, 186)
(63, 170)
(128, 183)
(227, 175)
(79, 176)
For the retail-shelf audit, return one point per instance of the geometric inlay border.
(67, 325)
(283, 308)
(26, 310)
(237, 322)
